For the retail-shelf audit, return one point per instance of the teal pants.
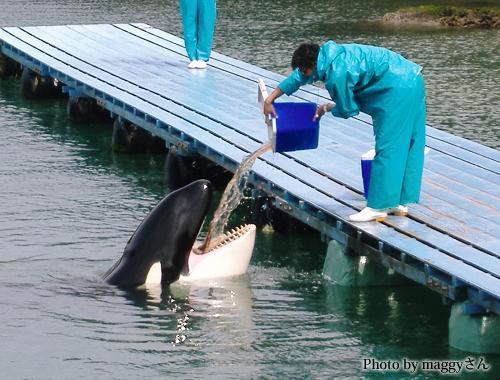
(396, 175)
(198, 24)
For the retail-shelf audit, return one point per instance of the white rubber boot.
(201, 64)
(367, 215)
(193, 64)
(398, 211)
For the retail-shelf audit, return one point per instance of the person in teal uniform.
(388, 87)
(198, 24)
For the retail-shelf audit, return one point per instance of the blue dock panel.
(450, 242)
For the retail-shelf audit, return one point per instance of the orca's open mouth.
(226, 238)
(229, 256)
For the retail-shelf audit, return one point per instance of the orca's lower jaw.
(229, 256)
(228, 237)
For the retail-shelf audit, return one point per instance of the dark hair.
(305, 56)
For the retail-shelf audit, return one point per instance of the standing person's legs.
(189, 14)
(393, 130)
(206, 25)
(415, 163)
(388, 168)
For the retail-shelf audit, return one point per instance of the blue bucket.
(366, 169)
(294, 129)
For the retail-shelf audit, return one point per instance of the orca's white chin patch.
(229, 257)
(154, 274)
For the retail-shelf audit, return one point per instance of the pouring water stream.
(231, 197)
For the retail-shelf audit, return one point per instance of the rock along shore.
(488, 18)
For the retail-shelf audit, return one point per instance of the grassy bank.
(466, 14)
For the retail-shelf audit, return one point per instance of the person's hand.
(268, 108)
(321, 110)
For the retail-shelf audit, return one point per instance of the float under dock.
(450, 242)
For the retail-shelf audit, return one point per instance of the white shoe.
(201, 64)
(367, 215)
(398, 211)
(193, 64)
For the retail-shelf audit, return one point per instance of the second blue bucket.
(294, 129)
(366, 170)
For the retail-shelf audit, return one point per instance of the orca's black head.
(166, 235)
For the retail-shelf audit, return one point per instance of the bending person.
(384, 85)
(198, 24)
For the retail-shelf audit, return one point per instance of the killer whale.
(229, 257)
(163, 250)
(166, 235)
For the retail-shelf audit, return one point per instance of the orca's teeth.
(229, 236)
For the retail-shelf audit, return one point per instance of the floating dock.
(450, 242)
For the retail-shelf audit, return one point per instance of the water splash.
(231, 198)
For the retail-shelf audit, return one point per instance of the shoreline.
(445, 16)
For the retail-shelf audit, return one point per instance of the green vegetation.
(435, 10)
(485, 14)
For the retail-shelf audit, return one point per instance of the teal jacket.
(357, 77)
